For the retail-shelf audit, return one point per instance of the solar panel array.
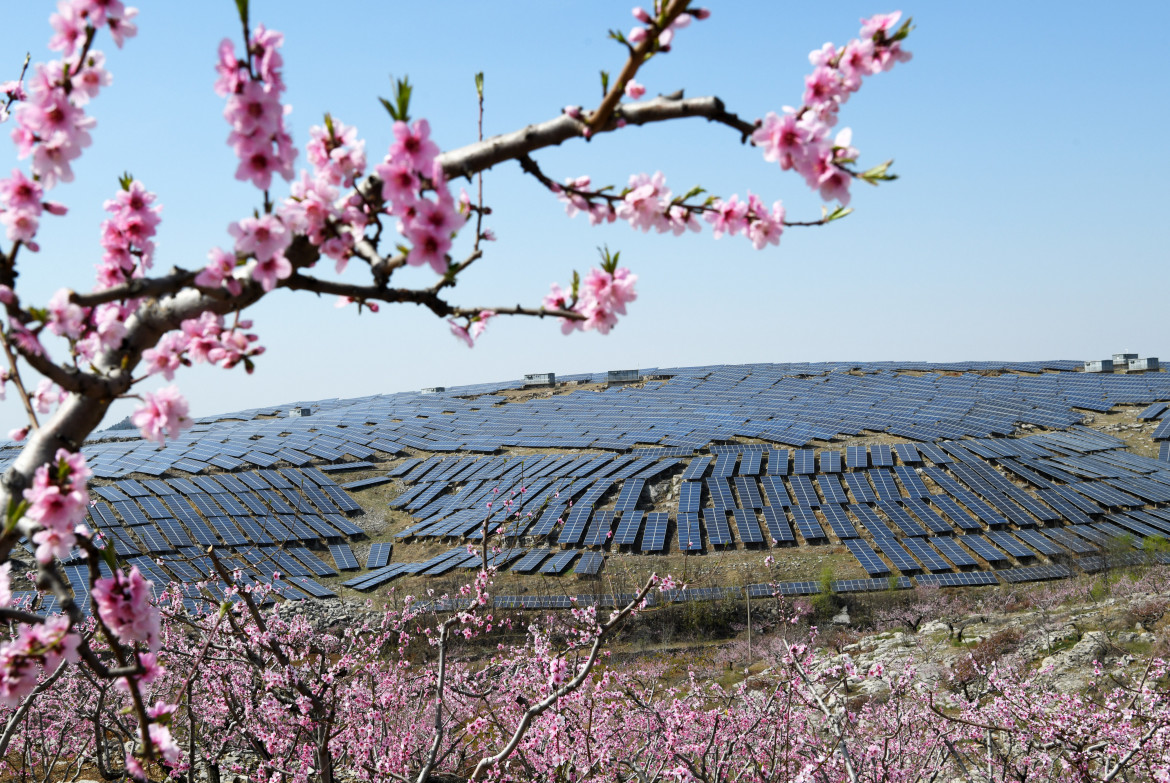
(953, 493)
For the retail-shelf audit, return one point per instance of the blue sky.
(1029, 220)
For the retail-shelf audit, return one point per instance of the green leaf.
(617, 36)
(126, 180)
(479, 85)
(15, 512)
(695, 191)
(604, 83)
(399, 109)
(836, 214)
(242, 8)
(879, 173)
(329, 125)
(904, 30)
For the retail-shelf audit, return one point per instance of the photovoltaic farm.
(954, 475)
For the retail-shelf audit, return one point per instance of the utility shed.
(298, 411)
(622, 376)
(1099, 365)
(1148, 364)
(1122, 359)
(433, 390)
(540, 379)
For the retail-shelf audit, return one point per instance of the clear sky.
(1030, 220)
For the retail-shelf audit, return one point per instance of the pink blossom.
(413, 145)
(460, 331)
(271, 270)
(47, 395)
(727, 217)
(123, 603)
(65, 318)
(218, 272)
(634, 91)
(879, 23)
(263, 237)
(228, 67)
(68, 27)
(162, 413)
(428, 247)
(646, 202)
(166, 356)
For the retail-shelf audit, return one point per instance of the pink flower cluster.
(314, 209)
(647, 204)
(44, 646)
(408, 173)
(162, 413)
(21, 208)
(665, 37)
(799, 140)
(199, 340)
(761, 225)
(128, 235)
(51, 125)
(472, 331)
(265, 238)
(123, 604)
(253, 88)
(57, 501)
(600, 298)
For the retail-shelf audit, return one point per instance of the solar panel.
(778, 462)
(804, 462)
(953, 510)
(690, 494)
(747, 526)
(927, 515)
(830, 461)
(898, 556)
(883, 482)
(880, 455)
(600, 528)
(1039, 542)
(871, 521)
(856, 457)
(840, 523)
(720, 494)
(628, 499)
(690, 538)
(860, 487)
(907, 453)
(697, 467)
(802, 490)
(559, 562)
(1035, 573)
(314, 563)
(628, 528)
(379, 555)
(1009, 543)
(806, 522)
(590, 563)
(926, 554)
(750, 463)
(343, 557)
(574, 526)
(964, 579)
(718, 532)
(531, 561)
(724, 465)
(777, 524)
(749, 495)
(984, 548)
(899, 517)
(869, 559)
(953, 552)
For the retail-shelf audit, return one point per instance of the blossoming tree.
(89, 348)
